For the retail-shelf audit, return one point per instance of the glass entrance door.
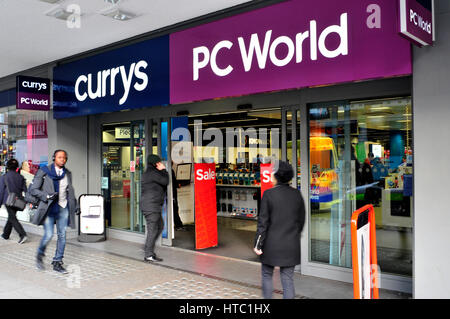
(123, 157)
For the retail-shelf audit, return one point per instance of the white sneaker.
(23, 239)
(153, 258)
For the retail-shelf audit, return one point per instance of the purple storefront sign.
(416, 22)
(290, 45)
(32, 93)
(31, 101)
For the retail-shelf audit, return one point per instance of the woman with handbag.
(12, 183)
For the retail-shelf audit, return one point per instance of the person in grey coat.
(57, 205)
(153, 192)
(280, 222)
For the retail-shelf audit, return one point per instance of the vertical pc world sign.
(417, 21)
(32, 93)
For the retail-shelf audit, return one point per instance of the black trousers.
(155, 226)
(11, 223)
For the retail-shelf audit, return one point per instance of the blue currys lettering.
(85, 86)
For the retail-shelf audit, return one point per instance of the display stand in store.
(238, 201)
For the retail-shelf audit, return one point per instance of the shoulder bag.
(14, 201)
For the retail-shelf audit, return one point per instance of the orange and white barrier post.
(364, 254)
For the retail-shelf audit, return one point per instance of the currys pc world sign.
(289, 45)
(130, 77)
(417, 21)
(32, 93)
(264, 50)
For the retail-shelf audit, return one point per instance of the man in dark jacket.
(16, 184)
(153, 192)
(280, 223)
(57, 205)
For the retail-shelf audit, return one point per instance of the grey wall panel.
(94, 168)
(71, 135)
(431, 98)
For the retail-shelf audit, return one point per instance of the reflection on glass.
(123, 152)
(23, 137)
(360, 153)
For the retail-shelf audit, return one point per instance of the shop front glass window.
(23, 137)
(361, 153)
(124, 153)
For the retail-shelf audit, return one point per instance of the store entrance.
(238, 143)
(122, 167)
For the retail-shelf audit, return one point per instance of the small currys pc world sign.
(32, 93)
(417, 21)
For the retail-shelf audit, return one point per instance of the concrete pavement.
(115, 269)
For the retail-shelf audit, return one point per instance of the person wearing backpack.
(57, 205)
(15, 183)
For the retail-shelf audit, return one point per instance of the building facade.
(339, 94)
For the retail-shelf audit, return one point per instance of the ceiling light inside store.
(375, 116)
(378, 114)
(380, 108)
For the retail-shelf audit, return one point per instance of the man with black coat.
(280, 223)
(153, 192)
(16, 184)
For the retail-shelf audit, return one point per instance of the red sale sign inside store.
(266, 177)
(205, 206)
(126, 188)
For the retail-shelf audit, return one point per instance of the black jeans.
(11, 223)
(155, 226)
(287, 281)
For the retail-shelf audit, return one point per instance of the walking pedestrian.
(280, 223)
(153, 192)
(57, 205)
(15, 183)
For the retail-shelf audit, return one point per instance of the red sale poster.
(205, 206)
(266, 177)
(126, 188)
